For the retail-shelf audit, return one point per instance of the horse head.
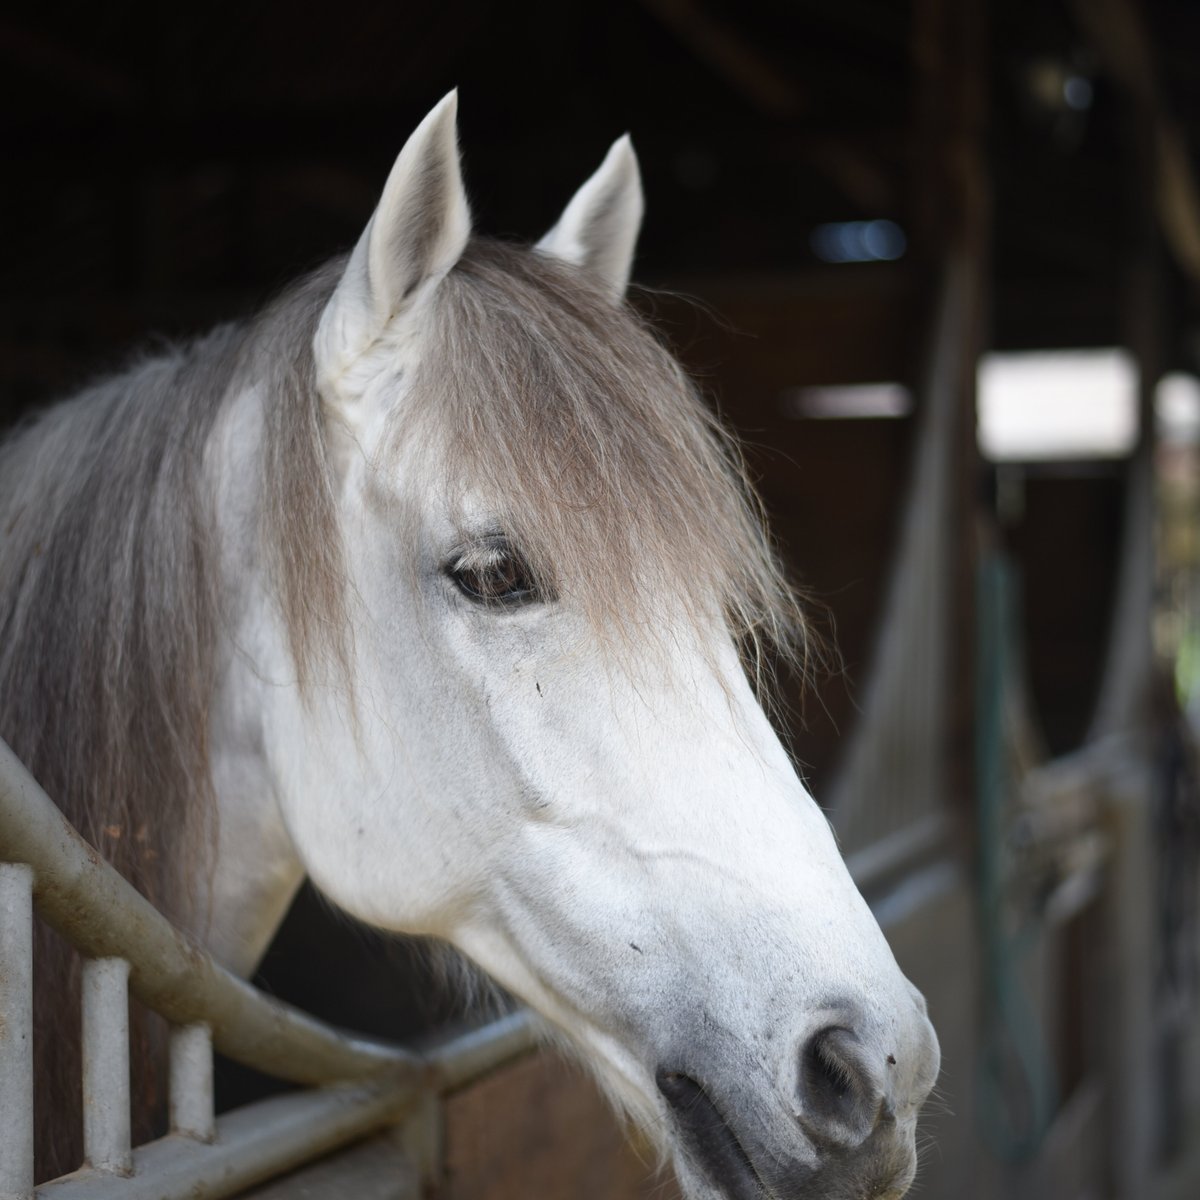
(534, 735)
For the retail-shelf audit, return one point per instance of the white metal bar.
(16, 1031)
(375, 1169)
(423, 1138)
(460, 1060)
(253, 1144)
(261, 1141)
(191, 1085)
(106, 1128)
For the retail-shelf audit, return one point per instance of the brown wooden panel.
(1066, 542)
(754, 337)
(834, 489)
(540, 1129)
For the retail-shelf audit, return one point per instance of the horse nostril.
(841, 1097)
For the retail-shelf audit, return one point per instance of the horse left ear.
(416, 234)
(599, 228)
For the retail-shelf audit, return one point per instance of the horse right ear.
(599, 228)
(418, 232)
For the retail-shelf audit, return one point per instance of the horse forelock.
(573, 422)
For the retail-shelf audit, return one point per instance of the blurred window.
(847, 401)
(1057, 405)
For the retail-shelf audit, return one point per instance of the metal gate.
(356, 1087)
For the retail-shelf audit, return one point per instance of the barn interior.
(859, 213)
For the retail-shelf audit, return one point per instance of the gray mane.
(110, 623)
(107, 598)
(110, 589)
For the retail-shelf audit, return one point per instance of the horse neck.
(255, 873)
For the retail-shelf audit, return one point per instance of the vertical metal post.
(106, 1127)
(16, 1031)
(422, 1137)
(191, 1085)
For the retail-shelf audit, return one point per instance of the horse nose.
(842, 1091)
(854, 1076)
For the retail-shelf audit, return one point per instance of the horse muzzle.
(848, 1129)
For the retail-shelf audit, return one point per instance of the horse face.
(620, 840)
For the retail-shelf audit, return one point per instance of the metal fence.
(357, 1086)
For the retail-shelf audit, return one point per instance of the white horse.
(430, 584)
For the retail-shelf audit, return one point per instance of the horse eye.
(494, 575)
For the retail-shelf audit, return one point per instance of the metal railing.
(358, 1085)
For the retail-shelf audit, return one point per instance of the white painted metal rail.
(359, 1085)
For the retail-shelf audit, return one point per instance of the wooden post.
(949, 208)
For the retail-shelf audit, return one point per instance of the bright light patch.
(858, 241)
(853, 401)
(1061, 404)
(1077, 92)
(1177, 409)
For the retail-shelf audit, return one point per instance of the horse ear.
(416, 234)
(598, 229)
